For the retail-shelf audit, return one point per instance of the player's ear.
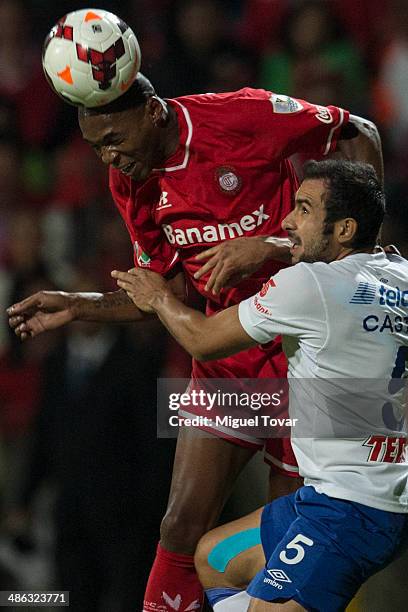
(157, 110)
(345, 230)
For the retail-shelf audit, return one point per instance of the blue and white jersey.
(345, 334)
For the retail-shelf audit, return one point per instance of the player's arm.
(205, 338)
(359, 140)
(47, 310)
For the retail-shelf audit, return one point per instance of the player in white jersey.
(343, 314)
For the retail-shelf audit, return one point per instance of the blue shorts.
(321, 549)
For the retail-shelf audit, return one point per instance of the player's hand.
(231, 261)
(142, 286)
(389, 248)
(40, 312)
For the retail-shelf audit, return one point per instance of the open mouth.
(295, 244)
(128, 169)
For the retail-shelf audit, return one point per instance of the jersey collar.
(179, 159)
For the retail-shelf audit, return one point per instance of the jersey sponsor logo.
(278, 574)
(228, 180)
(393, 297)
(266, 286)
(143, 258)
(323, 114)
(215, 233)
(386, 449)
(260, 307)
(365, 293)
(284, 104)
(393, 324)
(388, 296)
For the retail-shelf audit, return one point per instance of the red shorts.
(260, 362)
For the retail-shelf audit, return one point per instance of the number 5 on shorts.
(300, 551)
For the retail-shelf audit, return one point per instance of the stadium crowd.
(58, 228)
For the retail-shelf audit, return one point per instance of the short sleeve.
(290, 303)
(296, 126)
(151, 250)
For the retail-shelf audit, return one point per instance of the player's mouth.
(128, 169)
(295, 244)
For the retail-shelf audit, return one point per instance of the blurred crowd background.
(83, 479)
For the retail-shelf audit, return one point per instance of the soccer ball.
(91, 57)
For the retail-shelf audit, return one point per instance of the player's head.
(127, 133)
(339, 208)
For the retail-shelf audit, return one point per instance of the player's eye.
(114, 143)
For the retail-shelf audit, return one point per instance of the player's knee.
(208, 575)
(181, 531)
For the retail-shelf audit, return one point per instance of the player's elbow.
(366, 136)
(360, 141)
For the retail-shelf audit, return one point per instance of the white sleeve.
(290, 303)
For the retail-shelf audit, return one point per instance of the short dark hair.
(353, 190)
(137, 94)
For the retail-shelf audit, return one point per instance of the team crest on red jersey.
(228, 180)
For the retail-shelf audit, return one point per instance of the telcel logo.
(393, 297)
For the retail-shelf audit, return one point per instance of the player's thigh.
(281, 484)
(284, 472)
(217, 557)
(204, 472)
(232, 554)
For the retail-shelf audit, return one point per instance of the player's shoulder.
(397, 262)
(396, 271)
(298, 280)
(359, 267)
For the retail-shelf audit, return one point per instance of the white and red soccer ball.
(91, 57)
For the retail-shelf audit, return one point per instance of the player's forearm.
(114, 307)
(187, 326)
(361, 141)
(205, 338)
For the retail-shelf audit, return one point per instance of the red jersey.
(229, 177)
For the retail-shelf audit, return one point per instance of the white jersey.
(345, 333)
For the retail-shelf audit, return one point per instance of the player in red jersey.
(203, 178)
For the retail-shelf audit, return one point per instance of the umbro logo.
(279, 575)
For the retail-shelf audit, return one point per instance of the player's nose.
(288, 222)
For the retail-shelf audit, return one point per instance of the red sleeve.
(296, 126)
(151, 249)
